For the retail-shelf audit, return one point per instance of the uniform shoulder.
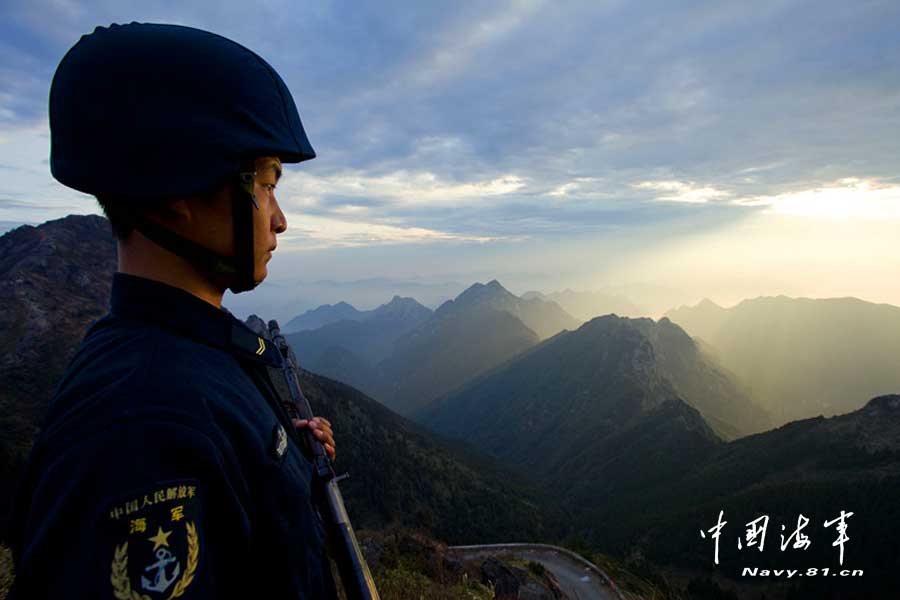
(125, 368)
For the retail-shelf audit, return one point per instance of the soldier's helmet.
(147, 111)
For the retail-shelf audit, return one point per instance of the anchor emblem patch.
(161, 581)
(156, 546)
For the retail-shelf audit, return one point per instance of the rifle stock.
(352, 567)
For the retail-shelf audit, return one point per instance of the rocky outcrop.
(54, 281)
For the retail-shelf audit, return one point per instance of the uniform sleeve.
(143, 510)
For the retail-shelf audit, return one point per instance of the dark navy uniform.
(167, 467)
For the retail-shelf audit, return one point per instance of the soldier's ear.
(172, 212)
(180, 209)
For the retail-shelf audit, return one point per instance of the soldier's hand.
(321, 428)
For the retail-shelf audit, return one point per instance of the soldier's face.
(210, 221)
(268, 220)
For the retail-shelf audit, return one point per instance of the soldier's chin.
(226, 282)
(261, 274)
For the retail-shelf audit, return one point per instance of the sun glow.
(849, 198)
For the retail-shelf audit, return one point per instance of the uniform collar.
(149, 300)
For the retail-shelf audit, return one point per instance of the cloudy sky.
(715, 149)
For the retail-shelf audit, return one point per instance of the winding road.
(578, 578)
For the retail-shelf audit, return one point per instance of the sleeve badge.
(156, 543)
(279, 442)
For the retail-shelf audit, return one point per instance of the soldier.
(167, 466)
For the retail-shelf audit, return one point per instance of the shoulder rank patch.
(279, 441)
(155, 542)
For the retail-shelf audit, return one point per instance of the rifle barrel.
(352, 567)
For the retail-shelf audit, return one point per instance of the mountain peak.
(401, 308)
(605, 320)
(57, 251)
(545, 318)
(707, 303)
(323, 315)
(533, 294)
(397, 302)
(889, 402)
(480, 292)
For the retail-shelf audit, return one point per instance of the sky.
(667, 150)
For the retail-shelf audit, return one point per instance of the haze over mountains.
(572, 391)
(457, 343)
(401, 310)
(405, 356)
(639, 466)
(370, 334)
(323, 315)
(285, 295)
(587, 305)
(803, 357)
(544, 317)
(625, 433)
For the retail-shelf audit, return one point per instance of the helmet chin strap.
(239, 269)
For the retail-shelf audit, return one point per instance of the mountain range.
(323, 315)
(287, 293)
(404, 355)
(456, 344)
(369, 336)
(595, 414)
(402, 475)
(399, 310)
(814, 467)
(544, 317)
(624, 433)
(576, 389)
(803, 357)
(55, 280)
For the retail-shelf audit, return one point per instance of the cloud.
(457, 48)
(316, 233)
(29, 192)
(465, 125)
(10, 203)
(679, 191)
(554, 92)
(398, 187)
(579, 184)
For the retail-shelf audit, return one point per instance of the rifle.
(352, 566)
